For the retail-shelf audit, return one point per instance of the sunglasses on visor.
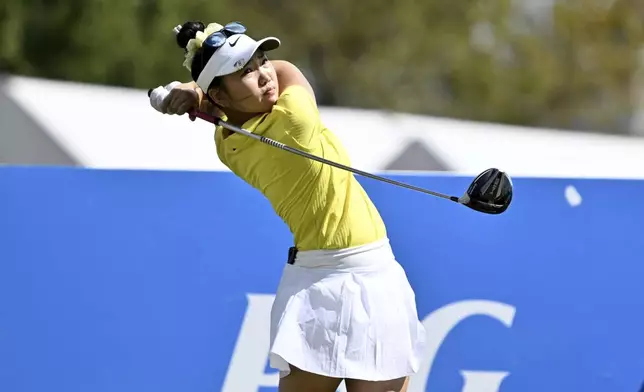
(217, 39)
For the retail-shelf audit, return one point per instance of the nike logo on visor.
(233, 43)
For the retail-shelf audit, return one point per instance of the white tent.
(109, 127)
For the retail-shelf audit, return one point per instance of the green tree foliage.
(570, 65)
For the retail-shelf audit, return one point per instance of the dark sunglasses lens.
(215, 40)
(235, 28)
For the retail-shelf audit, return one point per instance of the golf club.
(490, 192)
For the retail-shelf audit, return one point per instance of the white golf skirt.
(349, 313)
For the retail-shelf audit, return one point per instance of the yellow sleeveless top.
(324, 207)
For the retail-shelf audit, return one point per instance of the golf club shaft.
(271, 142)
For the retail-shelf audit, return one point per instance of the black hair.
(189, 31)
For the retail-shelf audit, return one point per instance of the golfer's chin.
(270, 97)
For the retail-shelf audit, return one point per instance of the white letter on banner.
(441, 322)
(246, 369)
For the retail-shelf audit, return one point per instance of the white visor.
(233, 56)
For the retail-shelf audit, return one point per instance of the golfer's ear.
(219, 96)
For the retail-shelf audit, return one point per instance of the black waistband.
(292, 253)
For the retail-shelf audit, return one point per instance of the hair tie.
(195, 43)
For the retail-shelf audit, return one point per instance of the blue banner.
(161, 281)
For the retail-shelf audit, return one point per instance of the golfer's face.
(254, 88)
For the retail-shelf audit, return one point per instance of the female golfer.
(344, 308)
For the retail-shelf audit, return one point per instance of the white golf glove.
(158, 95)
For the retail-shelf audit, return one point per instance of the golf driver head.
(490, 192)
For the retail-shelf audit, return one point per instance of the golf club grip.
(273, 143)
(205, 117)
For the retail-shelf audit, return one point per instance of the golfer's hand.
(182, 99)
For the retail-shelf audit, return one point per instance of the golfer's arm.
(289, 75)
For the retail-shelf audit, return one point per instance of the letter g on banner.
(441, 322)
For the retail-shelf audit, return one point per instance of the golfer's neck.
(239, 118)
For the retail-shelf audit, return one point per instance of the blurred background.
(555, 65)
(119, 280)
